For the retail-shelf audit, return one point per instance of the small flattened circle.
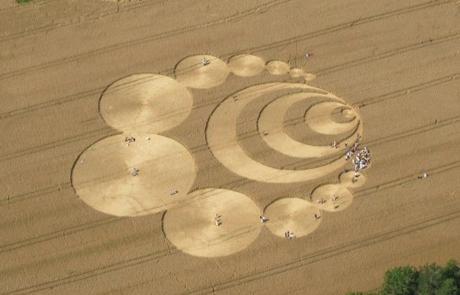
(201, 71)
(352, 180)
(319, 119)
(246, 65)
(213, 223)
(277, 67)
(348, 113)
(331, 197)
(142, 177)
(145, 103)
(296, 73)
(293, 215)
(309, 76)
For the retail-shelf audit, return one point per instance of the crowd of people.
(360, 156)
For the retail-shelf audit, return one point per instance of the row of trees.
(430, 279)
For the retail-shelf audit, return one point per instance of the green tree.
(430, 279)
(452, 271)
(400, 281)
(448, 287)
(362, 293)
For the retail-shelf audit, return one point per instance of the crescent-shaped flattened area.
(215, 222)
(201, 71)
(271, 121)
(319, 119)
(145, 103)
(221, 136)
(147, 176)
(294, 215)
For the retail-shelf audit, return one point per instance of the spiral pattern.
(140, 172)
(222, 137)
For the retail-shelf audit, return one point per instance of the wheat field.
(394, 64)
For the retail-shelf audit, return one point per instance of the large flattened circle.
(145, 103)
(147, 176)
(201, 71)
(246, 65)
(215, 222)
(292, 214)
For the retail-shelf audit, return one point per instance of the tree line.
(430, 279)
